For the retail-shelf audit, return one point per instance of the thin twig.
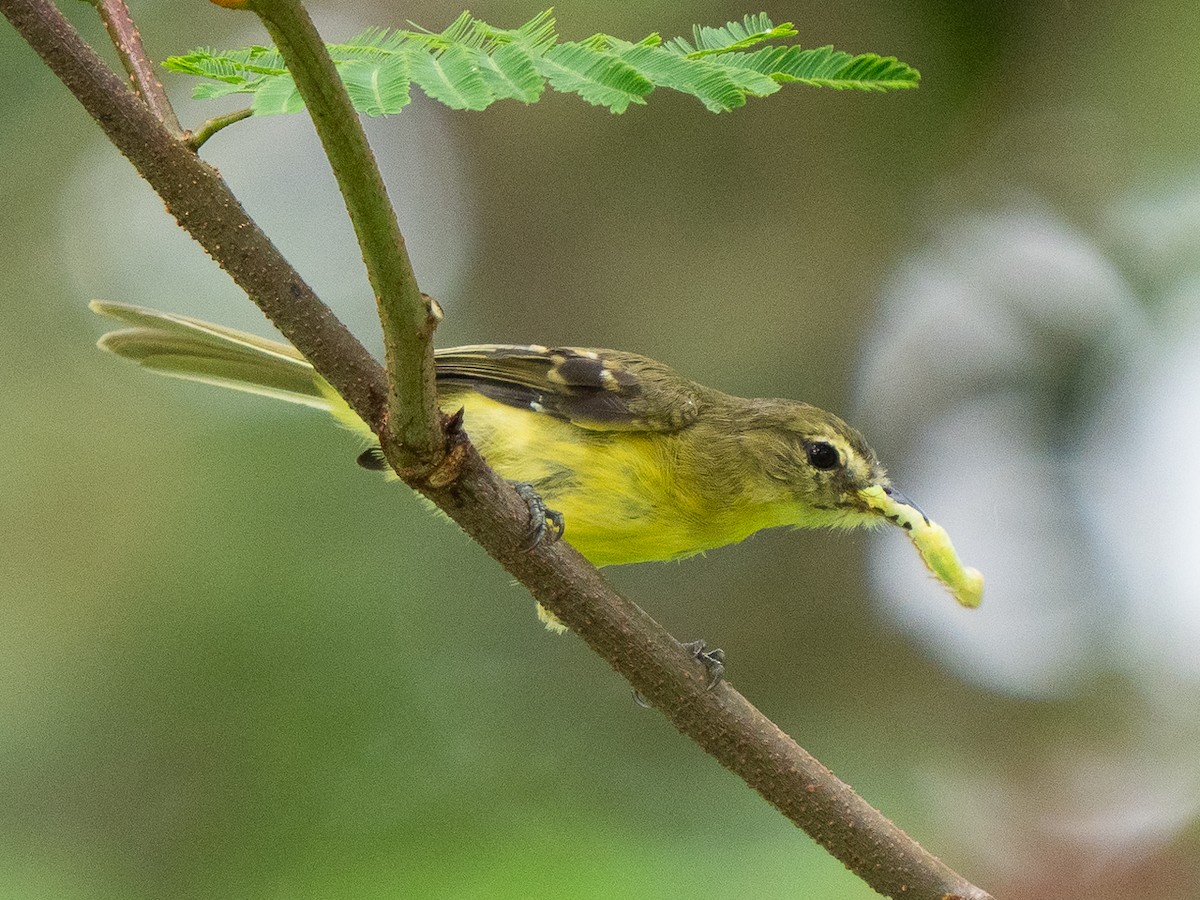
(658, 667)
(413, 431)
(142, 73)
(195, 139)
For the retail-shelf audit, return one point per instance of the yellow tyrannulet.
(641, 463)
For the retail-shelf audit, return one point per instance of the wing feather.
(601, 390)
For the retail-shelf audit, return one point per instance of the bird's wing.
(601, 390)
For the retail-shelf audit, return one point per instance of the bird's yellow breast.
(624, 496)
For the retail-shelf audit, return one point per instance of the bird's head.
(819, 462)
(833, 479)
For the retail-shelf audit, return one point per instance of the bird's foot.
(712, 660)
(544, 523)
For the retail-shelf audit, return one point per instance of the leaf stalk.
(196, 139)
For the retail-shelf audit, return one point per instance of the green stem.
(413, 428)
(197, 138)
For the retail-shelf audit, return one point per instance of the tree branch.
(663, 671)
(142, 73)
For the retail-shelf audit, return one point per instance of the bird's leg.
(543, 522)
(712, 660)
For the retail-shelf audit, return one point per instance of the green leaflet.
(732, 36)
(826, 67)
(599, 77)
(452, 77)
(376, 90)
(472, 64)
(511, 73)
(277, 95)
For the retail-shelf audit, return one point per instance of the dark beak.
(900, 498)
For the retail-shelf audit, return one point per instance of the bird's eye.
(822, 455)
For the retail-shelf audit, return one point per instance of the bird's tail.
(183, 347)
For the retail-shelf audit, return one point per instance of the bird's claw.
(712, 660)
(544, 523)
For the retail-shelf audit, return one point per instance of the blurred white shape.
(998, 345)
(1144, 496)
(1159, 232)
(994, 301)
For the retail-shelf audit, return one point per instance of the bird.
(636, 462)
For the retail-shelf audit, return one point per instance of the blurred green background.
(233, 664)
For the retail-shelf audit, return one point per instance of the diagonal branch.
(721, 720)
